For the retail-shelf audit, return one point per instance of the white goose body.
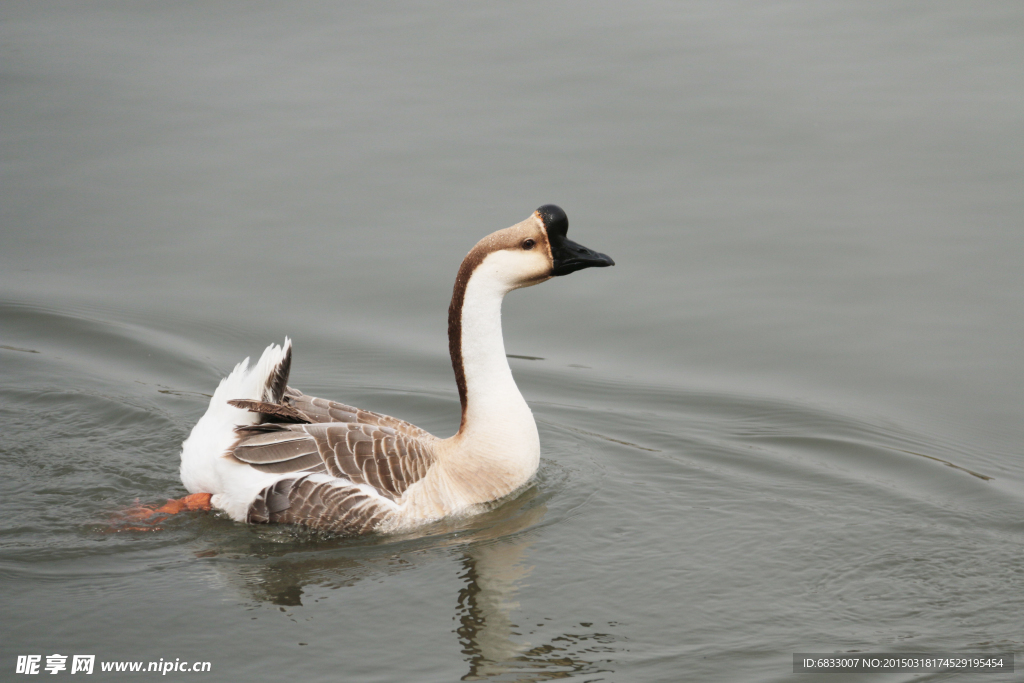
(268, 453)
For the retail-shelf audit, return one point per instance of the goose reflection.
(492, 643)
(493, 564)
(493, 573)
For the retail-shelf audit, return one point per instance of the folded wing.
(351, 465)
(297, 407)
(320, 502)
(377, 456)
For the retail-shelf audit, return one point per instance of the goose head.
(531, 252)
(526, 254)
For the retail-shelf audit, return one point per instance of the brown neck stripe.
(469, 264)
(503, 239)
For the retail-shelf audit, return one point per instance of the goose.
(267, 453)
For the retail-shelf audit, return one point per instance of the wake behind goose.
(265, 452)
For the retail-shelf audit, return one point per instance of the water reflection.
(492, 558)
(492, 643)
(492, 574)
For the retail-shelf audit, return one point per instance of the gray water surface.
(788, 420)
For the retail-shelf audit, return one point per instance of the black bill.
(568, 256)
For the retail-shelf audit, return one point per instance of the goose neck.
(487, 390)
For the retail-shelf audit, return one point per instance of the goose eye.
(528, 244)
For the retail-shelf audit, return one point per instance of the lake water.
(789, 419)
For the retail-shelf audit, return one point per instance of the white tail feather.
(202, 467)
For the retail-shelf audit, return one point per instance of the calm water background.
(788, 420)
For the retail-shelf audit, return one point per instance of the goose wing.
(297, 408)
(322, 410)
(320, 502)
(376, 455)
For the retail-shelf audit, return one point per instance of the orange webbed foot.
(148, 517)
(194, 501)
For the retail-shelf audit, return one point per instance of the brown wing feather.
(379, 456)
(327, 505)
(277, 449)
(322, 410)
(298, 408)
(277, 383)
(271, 412)
(376, 455)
